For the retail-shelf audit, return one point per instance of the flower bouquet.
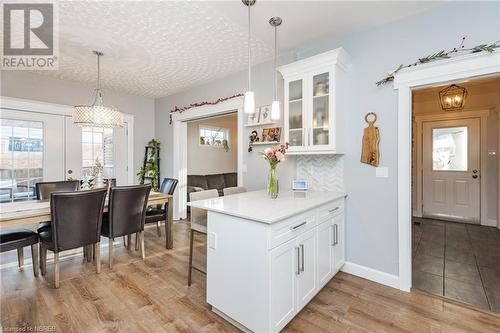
(274, 156)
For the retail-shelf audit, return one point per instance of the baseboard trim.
(490, 223)
(371, 274)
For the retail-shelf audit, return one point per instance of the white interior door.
(73, 135)
(32, 150)
(451, 170)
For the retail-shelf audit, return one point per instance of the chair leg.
(20, 257)
(137, 241)
(110, 252)
(84, 253)
(129, 242)
(125, 241)
(34, 258)
(44, 260)
(191, 236)
(97, 251)
(143, 253)
(89, 253)
(56, 270)
(158, 228)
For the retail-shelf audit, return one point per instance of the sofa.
(208, 182)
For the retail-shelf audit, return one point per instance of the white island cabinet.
(267, 258)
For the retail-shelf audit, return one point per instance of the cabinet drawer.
(290, 228)
(331, 209)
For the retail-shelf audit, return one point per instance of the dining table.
(32, 212)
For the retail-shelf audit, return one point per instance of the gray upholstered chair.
(198, 224)
(234, 190)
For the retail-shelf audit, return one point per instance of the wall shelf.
(265, 143)
(260, 124)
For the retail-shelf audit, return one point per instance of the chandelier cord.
(249, 55)
(275, 62)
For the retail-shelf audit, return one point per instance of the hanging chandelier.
(275, 106)
(97, 114)
(249, 99)
(453, 98)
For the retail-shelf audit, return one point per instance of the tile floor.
(458, 261)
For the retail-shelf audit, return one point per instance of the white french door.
(32, 150)
(451, 170)
(38, 146)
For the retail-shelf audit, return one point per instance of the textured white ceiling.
(156, 48)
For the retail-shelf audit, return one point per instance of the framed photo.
(254, 118)
(271, 134)
(265, 114)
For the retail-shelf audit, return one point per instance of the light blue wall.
(371, 210)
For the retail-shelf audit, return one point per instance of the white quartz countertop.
(257, 206)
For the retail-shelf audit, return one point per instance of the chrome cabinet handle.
(298, 260)
(298, 225)
(336, 234)
(333, 209)
(333, 236)
(302, 248)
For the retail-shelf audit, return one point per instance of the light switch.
(212, 240)
(382, 172)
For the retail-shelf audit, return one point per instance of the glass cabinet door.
(295, 118)
(320, 110)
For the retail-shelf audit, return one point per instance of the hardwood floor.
(152, 296)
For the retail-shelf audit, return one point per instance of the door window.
(97, 144)
(21, 159)
(449, 149)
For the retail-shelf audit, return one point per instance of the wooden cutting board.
(371, 137)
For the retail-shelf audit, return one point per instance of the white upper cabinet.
(316, 102)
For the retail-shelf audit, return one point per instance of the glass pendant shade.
(97, 114)
(249, 102)
(275, 110)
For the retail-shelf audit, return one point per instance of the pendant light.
(275, 106)
(249, 99)
(97, 114)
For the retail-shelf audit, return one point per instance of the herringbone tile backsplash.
(324, 172)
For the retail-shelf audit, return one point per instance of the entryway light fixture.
(453, 98)
(275, 106)
(249, 99)
(97, 114)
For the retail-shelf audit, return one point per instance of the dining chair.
(198, 224)
(17, 239)
(158, 213)
(76, 222)
(45, 189)
(126, 215)
(233, 190)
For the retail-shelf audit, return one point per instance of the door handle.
(333, 209)
(298, 260)
(298, 225)
(302, 249)
(336, 228)
(474, 176)
(70, 172)
(333, 236)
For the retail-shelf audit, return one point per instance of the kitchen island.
(267, 258)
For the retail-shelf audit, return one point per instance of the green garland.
(490, 48)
